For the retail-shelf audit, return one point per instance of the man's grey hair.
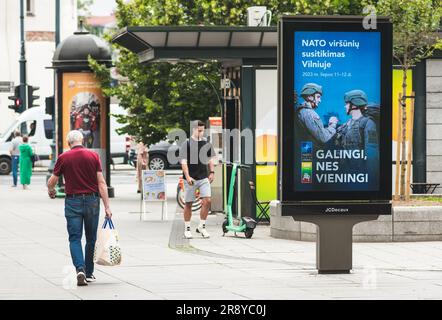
(74, 136)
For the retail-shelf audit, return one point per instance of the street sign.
(154, 190)
(6, 86)
(154, 185)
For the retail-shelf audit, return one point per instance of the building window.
(30, 8)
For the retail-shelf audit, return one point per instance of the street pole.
(22, 60)
(57, 41)
(57, 23)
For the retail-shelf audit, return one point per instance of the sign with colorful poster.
(154, 185)
(336, 110)
(84, 109)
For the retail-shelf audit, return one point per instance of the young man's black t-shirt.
(197, 160)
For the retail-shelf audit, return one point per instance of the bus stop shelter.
(248, 56)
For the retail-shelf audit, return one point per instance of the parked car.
(158, 156)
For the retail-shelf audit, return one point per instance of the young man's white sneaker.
(202, 230)
(187, 233)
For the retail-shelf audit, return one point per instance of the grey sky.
(102, 7)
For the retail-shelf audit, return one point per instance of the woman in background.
(26, 155)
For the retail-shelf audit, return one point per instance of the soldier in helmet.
(359, 132)
(309, 121)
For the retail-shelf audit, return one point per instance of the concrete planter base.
(405, 224)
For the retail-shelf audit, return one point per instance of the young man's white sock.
(187, 225)
(202, 223)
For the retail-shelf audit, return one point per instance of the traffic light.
(50, 105)
(17, 105)
(31, 97)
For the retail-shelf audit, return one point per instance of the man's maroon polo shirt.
(79, 167)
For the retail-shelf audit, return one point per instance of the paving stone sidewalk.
(159, 264)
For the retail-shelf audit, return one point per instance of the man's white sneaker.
(203, 231)
(187, 234)
(81, 279)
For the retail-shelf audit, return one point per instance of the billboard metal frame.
(323, 202)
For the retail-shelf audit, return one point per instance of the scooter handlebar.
(239, 165)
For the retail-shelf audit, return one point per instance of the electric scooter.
(246, 224)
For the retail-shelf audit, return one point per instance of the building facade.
(433, 92)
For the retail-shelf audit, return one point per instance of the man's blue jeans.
(15, 164)
(81, 210)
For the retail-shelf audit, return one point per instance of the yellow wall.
(397, 88)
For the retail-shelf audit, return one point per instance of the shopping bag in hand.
(107, 249)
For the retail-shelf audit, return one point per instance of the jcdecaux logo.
(336, 210)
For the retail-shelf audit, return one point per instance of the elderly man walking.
(84, 183)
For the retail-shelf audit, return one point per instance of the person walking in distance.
(84, 183)
(142, 161)
(15, 155)
(196, 154)
(26, 156)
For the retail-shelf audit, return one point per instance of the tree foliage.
(415, 37)
(162, 96)
(415, 25)
(83, 7)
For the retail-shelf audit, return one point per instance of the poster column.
(84, 108)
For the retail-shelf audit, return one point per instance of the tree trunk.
(404, 133)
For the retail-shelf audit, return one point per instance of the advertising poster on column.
(84, 109)
(337, 102)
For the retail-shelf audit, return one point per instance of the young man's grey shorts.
(204, 187)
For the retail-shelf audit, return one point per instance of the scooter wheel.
(248, 233)
(225, 227)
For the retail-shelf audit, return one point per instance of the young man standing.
(84, 183)
(196, 154)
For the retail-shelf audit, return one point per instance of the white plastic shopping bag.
(107, 249)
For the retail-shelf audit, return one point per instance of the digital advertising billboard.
(337, 110)
(334, 109)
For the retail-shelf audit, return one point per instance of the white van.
(40, 137)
